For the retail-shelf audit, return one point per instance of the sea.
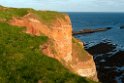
(99, 20)
(108, 71)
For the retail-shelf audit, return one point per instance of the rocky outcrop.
(60, 45)
(82, 63)
(122, 27)
(87, 31)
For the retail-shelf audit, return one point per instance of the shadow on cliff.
(109, 62)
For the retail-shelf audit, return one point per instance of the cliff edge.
(60, 45)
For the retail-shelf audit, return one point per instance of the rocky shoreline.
(109, 62)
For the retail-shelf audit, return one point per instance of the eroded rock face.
(82, 62)
(60, 44)
(59, 34)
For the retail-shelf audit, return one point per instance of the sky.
(68, 5)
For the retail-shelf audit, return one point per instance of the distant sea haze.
(83, 20)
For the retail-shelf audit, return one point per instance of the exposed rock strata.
(60, 45)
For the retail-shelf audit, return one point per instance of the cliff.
(60, 45)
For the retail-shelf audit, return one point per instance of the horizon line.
(69, 11)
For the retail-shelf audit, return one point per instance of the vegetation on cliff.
(21, 60)
(79, 50)
(45, 16)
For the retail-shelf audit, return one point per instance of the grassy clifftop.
(45, 16)
(21, 60)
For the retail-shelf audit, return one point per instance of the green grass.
(21, 60)
(47, 17)
(8, 13)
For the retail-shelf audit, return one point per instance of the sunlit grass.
(21, 60)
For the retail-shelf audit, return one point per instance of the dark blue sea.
(107, 47)
(99, 20)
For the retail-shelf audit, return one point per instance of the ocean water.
(109, 64)
(99, 20)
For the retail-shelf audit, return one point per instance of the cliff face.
(61, 46)
(82, 63)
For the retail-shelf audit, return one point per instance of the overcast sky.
(69, 5)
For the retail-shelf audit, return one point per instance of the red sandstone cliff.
(60, 45)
